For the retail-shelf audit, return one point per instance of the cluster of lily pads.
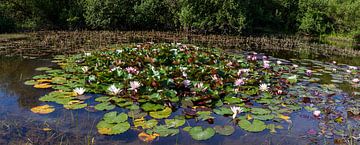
(151, 81)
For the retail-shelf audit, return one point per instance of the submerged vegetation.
(141, 86)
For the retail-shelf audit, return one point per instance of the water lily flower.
(264, 57)
(279, 92)
(308, 72)
(317, 113)
(263, 87)
(334, 62)
(199, 85)
(353, 67)
(348, 71)
(295, 65)
(355, 80)
(236, 110)
(85, 69)
(79, 91)
(118, 51)
(134, 85)
(243, 71)
(114, 90)
(239, 82)
(87, 54)
(278, 62)
(334, 69)
(186, 83)
(266, 64)
(214, 77)
(132, 70)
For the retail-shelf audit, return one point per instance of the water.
(18, 125)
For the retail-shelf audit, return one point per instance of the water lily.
(266, 64)
(334, 69)
(79, 91)
(355, 80)
(263, 87)
(134, 85)
(236, 110)
(239, 82)
(199, 85)
(87, 54)
(295, 65)
(132, 70)
(243, 71)
(118, 51)
(348, 71)
(353, 67)
(214, 77)
(114, 90)
(334, 62)
(278, 62)
(317, 113)
(186, 83)
(308, 72)
(85, 69)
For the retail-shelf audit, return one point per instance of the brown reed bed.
(48, 43)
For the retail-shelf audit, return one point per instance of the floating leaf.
(198, 133)
(43, 69)
(145, 124)
(263, 117)
(151, 107)
(136, 114)
(161, 114)
(204, 115)
(147, 137)
(42, 86)
(113, 123)
(104, 106)
(164, 131)
(175, 122)
(30, 82)
(45, 109)
(260, 111)
(223, 111)
(284, 117)
(255, 126)
(224, 130)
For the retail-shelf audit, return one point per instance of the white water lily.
(114, 90)
(236, 110)
(263, 87)
(356, 80)
(353, 67)
(278, 62)
(295, 65)
(134, 85)
(186, 83)
(317, 113)
(87, 54)
(85, 69)
(79, 91)
(348, 71)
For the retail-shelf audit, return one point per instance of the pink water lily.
(239, 82)
(355, 80)
(132, 70)
(134, 85)
(266, 64)
(308, 72)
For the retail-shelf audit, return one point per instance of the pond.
(329, 89)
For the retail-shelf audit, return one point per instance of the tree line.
(312, 17)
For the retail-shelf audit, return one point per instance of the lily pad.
(161, 114)
(198, 133)
(175, 122)
(255, 126)
(104, 106)
(151, 107)
(45, 109)
(165, 131)
(224, 130)
(223, 111)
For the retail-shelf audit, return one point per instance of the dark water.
(18, 125)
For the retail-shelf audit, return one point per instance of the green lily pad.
(112, 129)
(75, 106)
(223, 111)
(204, 115)
(198, 133)
(43, 69)
(145, 124)
(264, 117)
(30, 82)
(260, 111)
(165, 131)
(255, 126)
(224, 130)
(104, 106)
(136, 114)
(161, 114)
(175, 122)
(151, 107)
(114, 117)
